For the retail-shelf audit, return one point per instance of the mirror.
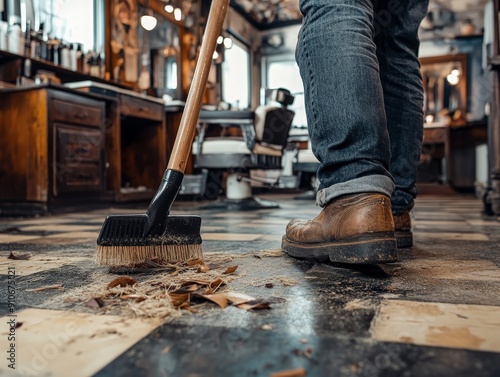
(445, 89)
(159, 50)
(124, 41)
(164, 47)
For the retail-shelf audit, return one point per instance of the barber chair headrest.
(282, 96)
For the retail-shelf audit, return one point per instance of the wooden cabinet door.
(78, 159)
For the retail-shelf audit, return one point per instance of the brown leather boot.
(354, 228)
(402, 230)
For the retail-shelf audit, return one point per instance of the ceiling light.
(220, 39)
(453, 79)
(215, 56)
(177, 14)
(274, 40)
(228, 42)
(148, 22)
(169, 8)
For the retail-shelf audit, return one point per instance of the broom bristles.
(128, 255)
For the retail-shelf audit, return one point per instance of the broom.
(127, 240)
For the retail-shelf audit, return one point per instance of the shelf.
(64, 74)
(110, 90)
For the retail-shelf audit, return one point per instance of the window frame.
(266, 62)
(245, 46)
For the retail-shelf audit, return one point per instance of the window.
(236, 76)
(285, 74)
(73, 21)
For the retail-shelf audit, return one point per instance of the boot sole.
(404, 239)
(375, 248)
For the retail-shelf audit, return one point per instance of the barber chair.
(264, 137)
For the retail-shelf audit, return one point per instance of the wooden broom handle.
(187, 127)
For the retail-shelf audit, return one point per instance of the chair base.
(247, 204)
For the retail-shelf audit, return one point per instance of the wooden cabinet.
(51, 148)
(61, 146)
(135, 147)
(448, 154)
(135, 141)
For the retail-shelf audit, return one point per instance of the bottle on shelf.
(27, 68)
(144, 81)
(24, 73)
(56, 48)
(88, 62)
(95, 69)
(100, 65)
(44, 47)
(72, 57)
(35, 45)
(80, 58)
(50, 50)
(27, 39)
(64, 55)
(15, 39)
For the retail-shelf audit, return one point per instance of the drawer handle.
(81, 116)
(143, 109)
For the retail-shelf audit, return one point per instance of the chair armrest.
(248, 135)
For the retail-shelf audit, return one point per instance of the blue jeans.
(364, 98)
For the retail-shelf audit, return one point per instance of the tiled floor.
(434, 313)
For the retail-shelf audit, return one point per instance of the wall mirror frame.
(161, 48)
(122, 40)
(132, 50)
(445, 80)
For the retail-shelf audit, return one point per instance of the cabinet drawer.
(83, 177)
(136, 107)
(83, 114)
(76, 145)
(77, 163)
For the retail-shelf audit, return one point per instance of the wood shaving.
(299, 372)
(273, 253)
(46, 288)
(152, 296)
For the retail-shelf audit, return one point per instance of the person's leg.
(336, 55)
(396, 26)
